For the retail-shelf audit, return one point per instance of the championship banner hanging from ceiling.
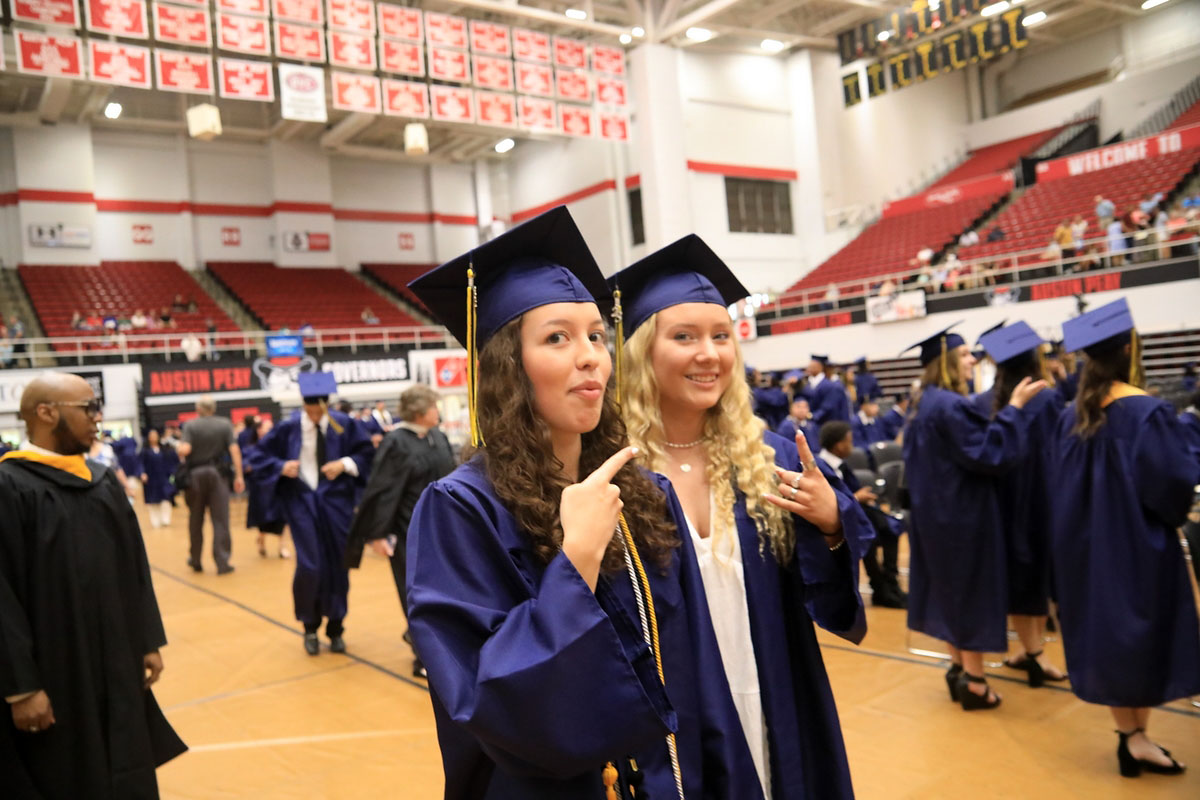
(398, 22)
(495, 108)
(904, 24)
(119, 64)
(401, 58)
(179, 71)
(43, 54)
(179, 25)
(536, 114)
(125, 18)
(405, 98)
(301, 42)
(47, 12)
(309, 12)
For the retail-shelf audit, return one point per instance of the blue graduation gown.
(958, 583)
(788, 428)
(771, 403)
(1128, 618)
(263, 506)
(1191, 430)
(829, 402)
(866, 433)
(319, 520)
(126, 451)
(808, 755)
(158, 469)
(891, 423)
(866, 387)
(537, 681)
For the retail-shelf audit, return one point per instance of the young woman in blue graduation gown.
(156, 464)
(543, 658)
(1025, 496)
(1125, 484)
(771, 566)
(953, 455)
(264, 511)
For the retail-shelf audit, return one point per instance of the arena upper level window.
(757, 206)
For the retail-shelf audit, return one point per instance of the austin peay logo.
(1002, 295)
(301, 82)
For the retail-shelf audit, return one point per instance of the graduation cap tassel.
(1135, 359)
(472, 362)
(944, 368)
(619, 352)
(333, 423)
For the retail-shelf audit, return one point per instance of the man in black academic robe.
(80, 630)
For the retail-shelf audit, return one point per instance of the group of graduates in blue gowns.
(1018, 497)
(554, 590)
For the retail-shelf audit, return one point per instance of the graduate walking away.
(1125, 484)
(413, 455)
(80, 631)
(777, 536)
(557, 608)
(264, 511)
(957, 582)
(313, 463)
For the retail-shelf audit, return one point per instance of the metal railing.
(129, 346)
(1181, 101)
(1071, 128)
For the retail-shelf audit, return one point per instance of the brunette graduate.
(778, 545)
(953, 454)
(559, 614)
(1125, 478)
(1025, 493)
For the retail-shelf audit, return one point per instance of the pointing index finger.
(804, 451)
(609, 469)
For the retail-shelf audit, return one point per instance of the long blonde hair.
(733, 446)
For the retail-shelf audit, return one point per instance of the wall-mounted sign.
(58, 235)
(302, 93)
(306, 242)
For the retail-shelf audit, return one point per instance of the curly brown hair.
(1100, 372)
(528, 478)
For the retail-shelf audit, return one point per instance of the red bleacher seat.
(995, 157)
(1191, 116)
(397, 277)
(325, 298)
(118, 288)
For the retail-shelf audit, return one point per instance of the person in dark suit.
(412, 456)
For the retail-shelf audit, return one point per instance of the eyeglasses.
(93, 408)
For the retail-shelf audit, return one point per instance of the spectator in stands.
(925, 279)
(925, 255)
(1150, 202)
(887, 288)
(1089, 259)
(179, 305)
(192, 307)
(77, 322)
(996, 234)
(210, 340)
(1079, 229)
(1064, 236)
(1161, 233)
(138, 320)
(165, 319)
(6, 349)
(109, 322)
(1116, 242)
(124, 323)
(192, 347)
(307, 330)
(1105, 211)
(368, 316)
(940, 273)
(969, 239)
(832, 294)
(953, 268)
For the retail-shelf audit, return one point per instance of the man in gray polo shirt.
(206, 441)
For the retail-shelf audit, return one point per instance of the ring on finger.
(794, 492)
(796, 482)
(810, 465)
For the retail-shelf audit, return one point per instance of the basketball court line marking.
(323, 737)
(249, 689)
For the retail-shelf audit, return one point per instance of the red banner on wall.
(184, 72)
(494, 108)
(948, 195)
(351, 50)
(301, 42)
(243, 34)
(535, 79)
(401, 23)
(405, 99)
(118, 18)
(307, 11)
(1117, 154)
(47, 12)
(401, 57)
(182, 25)
(531, 45)
(494, 73)
(119, 64)
(41, 54)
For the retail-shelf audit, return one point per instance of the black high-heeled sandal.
(952, 676)
(1037, 673)
(975, 702)
(1132, 767)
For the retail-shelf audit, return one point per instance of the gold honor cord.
(618, 316)
(472, 363)
(945, 370)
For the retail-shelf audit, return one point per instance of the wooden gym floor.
(264, 720)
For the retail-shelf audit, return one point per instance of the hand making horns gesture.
(807, 494)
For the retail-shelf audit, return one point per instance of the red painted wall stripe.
(302, 208)
(53, 196)
(454, 219)
(736, 171)
(8, 199)
(366, 215)
(228, 210)
(574, 197)
(143, 206)
(633, 181)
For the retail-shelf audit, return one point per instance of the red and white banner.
(452, 103)
(177, 71)
(488, 37)
(536, 114)
(182, 25)
(570, 53)
(255, 8)
(355, 16)
(493, 108)
(443, 30)
(44, 54)
(449, 65)
(401, 23)
(948, 195)
(352, 50)
(608, 59)
(402, 58)
(614, 127)
(354, 92)
(118, 18)
(231, 237)
(531, 45)
(1117, 154)
(535, 79)
(301, 42)
(576, 120)
(119, 64)
(611, 91)
(572, 85)
(309, 12)
(243, 34)
(245, 80)
(47, 12)
(142, 234)
(405, 98)
(494, 73)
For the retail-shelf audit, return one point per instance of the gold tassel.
(945, 368)
(1135, 359)
(333, 423)
(610, 781)
(619, 352)
(472, 362)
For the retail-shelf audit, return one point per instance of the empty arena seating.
(1030, 221)
(1190, 116)
(397, 277)
(995, 157)
(326, 298)
(117, 288)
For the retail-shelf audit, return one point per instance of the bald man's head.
(54, 409)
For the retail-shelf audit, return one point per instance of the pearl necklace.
(678, 446)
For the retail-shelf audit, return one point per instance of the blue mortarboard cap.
(992, 329)
(794, 375)
(822, 360)
(687, 271)
(931, 348)
(1096, 331)
(542, 261)
(861, 361)
(1010, 343)
(316, 384)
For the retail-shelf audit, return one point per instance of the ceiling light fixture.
(1149, 4)
(576, 13)
(883, 36)
(1036, 18)
(113, 110)
(772, 45)
(699, 34)
(995, 8)
(638, 31)
(626, 38)
(504, 145)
